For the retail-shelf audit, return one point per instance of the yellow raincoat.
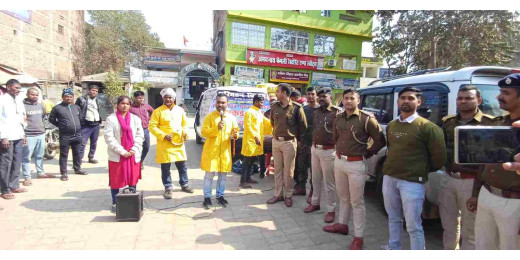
(255, 124)
(216, 154)
(164, 122)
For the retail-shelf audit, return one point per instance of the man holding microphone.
(219, 128)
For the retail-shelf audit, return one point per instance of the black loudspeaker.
(129, 205)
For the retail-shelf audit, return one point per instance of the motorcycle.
(52, 143)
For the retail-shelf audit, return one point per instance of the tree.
(414, 40)
(114, 86)
(114, 39)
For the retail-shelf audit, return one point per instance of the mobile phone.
(486, 144)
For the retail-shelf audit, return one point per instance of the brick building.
(40, 44)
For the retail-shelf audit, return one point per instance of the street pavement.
(76, 214)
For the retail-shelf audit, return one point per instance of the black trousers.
(247, 169)
(10, 163)
(66, 142)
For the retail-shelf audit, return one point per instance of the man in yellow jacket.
(255, 125)
(219, 128)
(168, 125)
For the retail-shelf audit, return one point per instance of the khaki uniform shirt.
(448, 127)
(493, 174)
(323, 125)
(288, 121)
(350, 136)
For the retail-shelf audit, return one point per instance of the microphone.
(221, 115)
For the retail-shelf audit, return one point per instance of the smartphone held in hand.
(486, 144)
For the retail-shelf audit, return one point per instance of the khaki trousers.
(284, 154)
(322, 163)
(350, 185)
(454, 214)
(497, 222)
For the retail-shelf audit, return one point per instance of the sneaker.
(187, 189)
(207, 203)
(168, 194)
(222, 202)
(27, 182)
(93, 161)
(386, 247)
(113, 208)
(64, 177)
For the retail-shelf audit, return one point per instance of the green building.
(301, 47)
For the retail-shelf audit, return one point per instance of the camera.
(486, 144)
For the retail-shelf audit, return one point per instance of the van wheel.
(198, 139)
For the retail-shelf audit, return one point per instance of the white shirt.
(92, 110)
(409, 119)
(12, 118)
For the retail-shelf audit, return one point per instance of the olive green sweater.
(414, 150)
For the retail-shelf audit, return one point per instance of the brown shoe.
(309, 198)
(311, 208)
(299, 191)
(329, 218)
(357, 244)
(27, 182)
(337, 228)
(274, 199)
(19, 190)
(288, 202)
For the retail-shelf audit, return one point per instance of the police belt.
(462, 175)
(323, 147)
(351, 158)
(502, 193)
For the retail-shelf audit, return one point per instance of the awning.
(7, 73)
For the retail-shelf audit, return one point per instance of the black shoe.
(244, 185)
(252, 181)
(187, 189)
(93, 161)
(222, 202)
(207, 203)
(262, 174)
(80, 172)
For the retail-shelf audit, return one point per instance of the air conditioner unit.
(332, 63)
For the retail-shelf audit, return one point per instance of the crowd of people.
(479, 205)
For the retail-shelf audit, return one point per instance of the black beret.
(324, 91)
(511, 81)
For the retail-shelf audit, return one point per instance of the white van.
(439, 94)
(240, 99)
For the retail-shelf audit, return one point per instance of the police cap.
(324, 91)
(511, 81)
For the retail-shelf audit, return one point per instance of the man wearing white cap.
(168, 125)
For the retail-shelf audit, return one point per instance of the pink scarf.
(127, 141)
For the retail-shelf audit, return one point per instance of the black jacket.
(81, 102)
(66, 119)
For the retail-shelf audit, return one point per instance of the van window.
(490, 104)
(431, 106)
(379, 104)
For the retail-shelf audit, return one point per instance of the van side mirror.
(196, 104)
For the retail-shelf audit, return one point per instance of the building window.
(248, 34)
(348, 62)
(325, 13)
(324, 44)
(60, 29)
(289, 40)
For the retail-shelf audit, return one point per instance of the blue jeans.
(404, 198)
(166, 175)
(208, 184)
(92, 133)
(146, 144)
(35, 148)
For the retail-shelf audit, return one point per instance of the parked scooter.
(52, 139)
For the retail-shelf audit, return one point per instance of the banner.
(165, 77)
(277, 58)
(289, 76)
(324, 80)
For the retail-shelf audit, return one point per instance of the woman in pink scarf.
(124, 136)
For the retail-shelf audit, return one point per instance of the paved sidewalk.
(76, 215)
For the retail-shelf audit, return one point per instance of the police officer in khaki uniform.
(322, 155)
(289, 123)
(457, 181)
(497, 203)
(352, 131)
